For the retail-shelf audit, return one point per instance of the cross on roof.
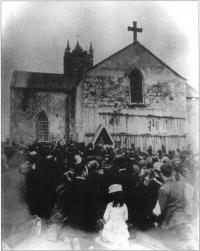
(135, 30)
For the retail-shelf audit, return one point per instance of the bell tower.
(77, 61)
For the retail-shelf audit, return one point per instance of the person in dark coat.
(144, 198)
(34, 184)
(97, 192)
(49, 177)
(79, 210)
(134, 179)
(65, 195)
(139, 205)
(110, 171)
(125, 178)
(41, 185)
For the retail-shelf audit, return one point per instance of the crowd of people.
(68, 183)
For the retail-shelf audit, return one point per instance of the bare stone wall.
(107, 99)
(114, 91)
(23, 117)
(108, 83)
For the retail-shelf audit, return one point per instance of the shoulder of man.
(165, 188)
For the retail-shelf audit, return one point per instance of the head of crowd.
(67, 180)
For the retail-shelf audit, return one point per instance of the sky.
(35, 34)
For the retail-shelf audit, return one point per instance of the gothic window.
(42, 127)
(136, 86)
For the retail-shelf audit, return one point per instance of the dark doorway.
(102, 136)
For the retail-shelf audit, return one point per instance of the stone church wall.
(161, 119)
(24, 108)
(114, 91)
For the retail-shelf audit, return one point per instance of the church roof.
(136, 43)
(43, 81)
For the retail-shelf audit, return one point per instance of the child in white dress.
(115, 230)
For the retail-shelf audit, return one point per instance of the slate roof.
(43, 81)
(136, 43)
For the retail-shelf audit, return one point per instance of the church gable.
(139, 98)
(134, 77)
(131, 56)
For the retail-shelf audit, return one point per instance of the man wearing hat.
(79, 200)
(96, 191)
(125, 178)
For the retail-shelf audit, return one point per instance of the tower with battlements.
(77, 61)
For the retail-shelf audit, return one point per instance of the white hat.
(115, 188)
(49, 156)
(78, 158)
(33, 153)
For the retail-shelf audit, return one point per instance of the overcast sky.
(35, 34)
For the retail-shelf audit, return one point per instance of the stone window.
(136, 86)
(42, 127)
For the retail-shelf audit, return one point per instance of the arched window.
(42, 127)
(136, 86)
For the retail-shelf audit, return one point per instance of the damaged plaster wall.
(23, 122)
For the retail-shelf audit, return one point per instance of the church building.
(131, 97)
